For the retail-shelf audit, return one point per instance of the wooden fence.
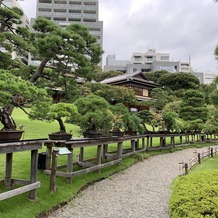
(104, 157)
(197, 159)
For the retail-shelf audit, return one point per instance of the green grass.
(208, 164)
(20, 206)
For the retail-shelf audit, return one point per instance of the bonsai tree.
(95, 115)
(120, 112)
(133, 123)
(169, 119)
(56, 112)
(14, 92)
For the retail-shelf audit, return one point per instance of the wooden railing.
(197, 159)
(105, 157)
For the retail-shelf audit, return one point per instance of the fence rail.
(105, 157)
(197, 159)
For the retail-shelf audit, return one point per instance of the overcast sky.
(181, 28)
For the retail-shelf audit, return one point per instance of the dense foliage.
(195, 196)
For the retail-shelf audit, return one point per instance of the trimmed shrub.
(195, 196)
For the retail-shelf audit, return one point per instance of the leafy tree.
(24, 91)
(156, 75)
(207, 89)
(180, 80)
(159, 98)
(172, 107)
(121, 113)
(71, 49)
(169, 119)
(12, 36)
(113, 94)
(146, 117)
(193, 106)
(104, 75)
(94, 114)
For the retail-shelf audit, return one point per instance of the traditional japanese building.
(137, 81)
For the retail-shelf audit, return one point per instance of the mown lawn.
(20, 206)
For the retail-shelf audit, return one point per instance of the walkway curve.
(141, 191)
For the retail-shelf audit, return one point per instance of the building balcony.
(44, 5)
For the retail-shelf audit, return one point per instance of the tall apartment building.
(65, 12)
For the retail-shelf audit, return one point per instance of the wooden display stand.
(27, 185)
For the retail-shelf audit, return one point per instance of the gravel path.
(141, 191)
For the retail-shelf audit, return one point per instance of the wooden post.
(48, 156)
(151, 140)
(70, 165)
(99, 156)
(147, 146)
(143, 143)
(211, 152)
(133, 145)
(186, 168)
(105, 150)
(161, 141)
(81, 154)
(53, 170)
(180, 137)
(199, 158)
(8, 169)
(33, 172)
(119, 150)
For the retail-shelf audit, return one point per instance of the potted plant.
(133, 124)
(95, 117)
(120, 111)
(57, 112)
(15, 92)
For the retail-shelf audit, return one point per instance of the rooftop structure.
(145, 62)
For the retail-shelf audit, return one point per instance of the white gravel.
(141, 191)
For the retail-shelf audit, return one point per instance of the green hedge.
(195, 196)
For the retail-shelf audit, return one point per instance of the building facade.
(146, 62)
(25, 22)
(65, 12)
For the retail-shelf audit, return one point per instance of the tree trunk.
(39, 71)
(61, 124)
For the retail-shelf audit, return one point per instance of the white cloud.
(181, 28)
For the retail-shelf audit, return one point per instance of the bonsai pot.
(94, 134)
(10, 135)
(117, 132)
(130, 132)
(60, 136)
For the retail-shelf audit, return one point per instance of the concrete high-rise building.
(146, 62)
(65, 12)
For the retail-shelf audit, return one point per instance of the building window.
(60, 10)
(60, 2)
(90, 20)
(75, 19)
(90, 3)
(75, 11)
(45, 9)
(75, 3)
(149, 58)
(45, 1)
(164, 58)
(138, 58)
(145, 92)
(137, 90)
(60, 18)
